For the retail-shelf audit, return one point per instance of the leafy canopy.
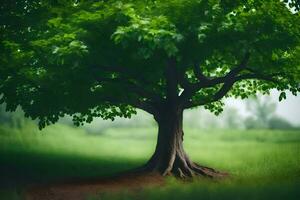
(105, 58)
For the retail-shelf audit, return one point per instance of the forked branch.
(228, 85)
(206, 82)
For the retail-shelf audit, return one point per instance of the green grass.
(264, 164)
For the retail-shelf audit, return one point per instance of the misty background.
(260, 112)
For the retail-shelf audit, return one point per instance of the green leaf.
(282, 96)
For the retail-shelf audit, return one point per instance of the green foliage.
(151, 34)
(106, 58)
(216, 107)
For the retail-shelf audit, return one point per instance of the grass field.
(263, 164)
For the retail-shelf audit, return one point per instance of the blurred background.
(259, 112)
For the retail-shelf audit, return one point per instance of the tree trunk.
(169, 157)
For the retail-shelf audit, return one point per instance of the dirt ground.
(80, 190)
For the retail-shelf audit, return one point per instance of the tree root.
(195, 170)
(182, 167)
(185, 172)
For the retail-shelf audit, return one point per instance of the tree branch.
(206, 82)
(230, 75)
(183, 81)
(228, 85)
(146, 106)
(198, 73)
(129, 86)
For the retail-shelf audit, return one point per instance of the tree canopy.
(105, 58)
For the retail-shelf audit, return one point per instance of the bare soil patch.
(80, 190)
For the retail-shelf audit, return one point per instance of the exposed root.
(196, 171)
(208, 172)
(183, 168)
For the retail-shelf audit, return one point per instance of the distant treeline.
(261, 116)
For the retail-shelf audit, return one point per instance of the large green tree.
(106, 58)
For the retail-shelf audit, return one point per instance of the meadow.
(263, 164)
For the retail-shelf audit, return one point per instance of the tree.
(232, 118)
(106, 58)
(263, 114)
(262, 109)
(14, 120)
(277, 122)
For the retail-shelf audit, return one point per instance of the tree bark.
(169, 157)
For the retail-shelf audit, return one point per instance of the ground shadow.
(22, 169)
